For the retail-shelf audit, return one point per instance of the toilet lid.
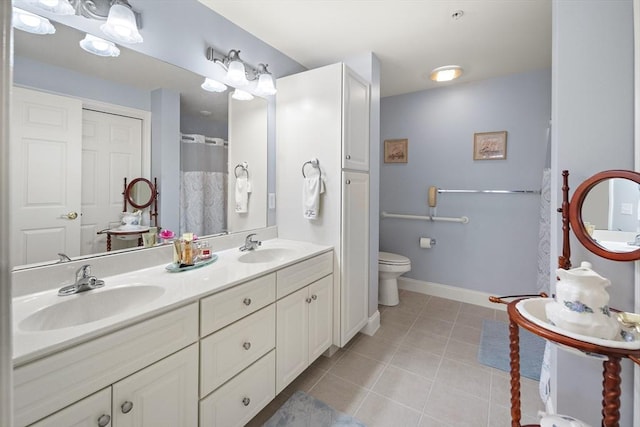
(392, 259)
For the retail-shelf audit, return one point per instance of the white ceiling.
(410, 37)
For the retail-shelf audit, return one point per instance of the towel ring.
(315, 163)
(244, 166)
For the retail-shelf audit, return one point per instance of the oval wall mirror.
(140, 193)
(604, 215)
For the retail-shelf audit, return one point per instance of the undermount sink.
(265, 255)
(90, 306)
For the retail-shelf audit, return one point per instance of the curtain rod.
(491, 191)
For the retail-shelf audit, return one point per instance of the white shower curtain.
(203, 186)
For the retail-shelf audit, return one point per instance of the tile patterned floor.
(419, 369)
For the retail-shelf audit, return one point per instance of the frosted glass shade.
(98, 46)
(31, 23)
(59, 7)
(211, 85)
(236, 75)
(446, 73)
(241, 95)
(265, 85)
(121, 25)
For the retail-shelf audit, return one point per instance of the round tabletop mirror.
(140, 193)
(604, 214)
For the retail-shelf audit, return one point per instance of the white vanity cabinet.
(304, 329)
(324, 114)
(91, 411)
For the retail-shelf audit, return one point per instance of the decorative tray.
(124, 229)
(176, 268)
(533, 309)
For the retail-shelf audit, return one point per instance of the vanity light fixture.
(121, 24)
(242, 75)
(31, 23)
(98, 46)
(59, 7)
(212, 85)
(241, 95)
(446, 73)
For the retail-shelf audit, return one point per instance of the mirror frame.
(129, 189)
(575, 214)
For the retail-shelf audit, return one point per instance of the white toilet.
(390, 267)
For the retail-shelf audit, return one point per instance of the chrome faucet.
(63, 257)
(249, 243)
(84, 282)
(636, 242)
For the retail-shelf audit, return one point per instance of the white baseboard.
(372, 324)
(449, 292)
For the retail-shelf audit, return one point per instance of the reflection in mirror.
(56, 64)
(140, 193)
(605, 215)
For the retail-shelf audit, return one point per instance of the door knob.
(70, 215)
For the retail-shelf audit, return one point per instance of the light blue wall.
(496, 251)
(592, 131)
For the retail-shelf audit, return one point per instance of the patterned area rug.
(302, 410)
(494, 349)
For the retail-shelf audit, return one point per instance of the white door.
(356, 122)
(164, 394)
(292, 338)
(355, 254)
(111, 151)
(320, 317)
(45, 176)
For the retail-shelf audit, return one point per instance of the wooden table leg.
(611, 392)
(108, 242)
(514, 354)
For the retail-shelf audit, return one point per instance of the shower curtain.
(203, 185)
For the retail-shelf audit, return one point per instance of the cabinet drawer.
(230, 350)
(87, 412)
(236, 402)
(294, 277)
(49, 384)
(219, 310)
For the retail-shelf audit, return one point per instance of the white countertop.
(179, 288)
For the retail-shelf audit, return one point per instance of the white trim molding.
(373, 324)
(450, 292)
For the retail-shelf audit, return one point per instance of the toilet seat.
(388, 258)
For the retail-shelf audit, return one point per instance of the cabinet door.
(355, 138)
(92, 411)
(354, 268)
(164, 394)
(292, 341)
(320, 317)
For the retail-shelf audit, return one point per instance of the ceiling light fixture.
(211, 85)
(59, 7)
(446, 73)
(98, 46)
(242, 75)
(31, 23)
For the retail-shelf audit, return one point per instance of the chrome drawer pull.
(314, 297)
(308, 300)
(126, 407)
(246, 345)
(104, 420)
(247, 301)
(246, 401)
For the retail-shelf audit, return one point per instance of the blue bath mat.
(494, 349)
(302, 410)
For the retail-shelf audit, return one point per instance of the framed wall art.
(396, 150)
(490, 145)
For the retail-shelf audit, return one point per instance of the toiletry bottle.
(187, 257)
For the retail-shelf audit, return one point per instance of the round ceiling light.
(446, 73)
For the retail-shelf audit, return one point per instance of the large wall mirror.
(56, 64)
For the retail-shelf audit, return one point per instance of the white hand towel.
(312, 187)
(243, 188)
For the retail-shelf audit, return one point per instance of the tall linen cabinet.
(323, 114)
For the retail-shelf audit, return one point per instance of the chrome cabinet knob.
(126, 407)
(314, 297)
(348, 181)
(348, 156)
(246, 345)
(104, 420)
(247, 301)
(308, 300)
(246, 401)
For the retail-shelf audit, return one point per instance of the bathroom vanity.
(209, 346)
